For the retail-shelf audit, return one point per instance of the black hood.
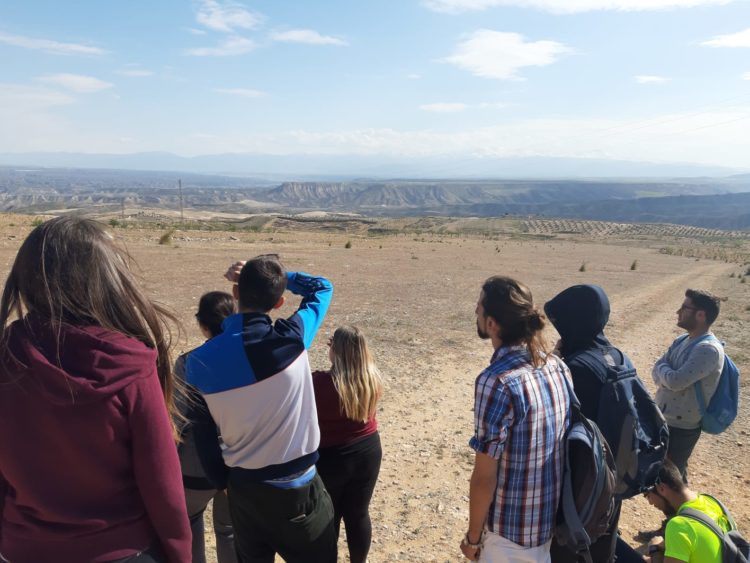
(579, 314)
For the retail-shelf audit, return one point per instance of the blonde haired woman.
(347, 396)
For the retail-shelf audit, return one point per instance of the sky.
(646, 80)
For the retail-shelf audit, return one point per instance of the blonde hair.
(356, 377)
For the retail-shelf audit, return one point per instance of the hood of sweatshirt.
(73, 364)
(579, 314)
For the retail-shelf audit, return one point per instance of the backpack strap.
(597, 360)
(707, 520)
(697, 387)
(703, 519)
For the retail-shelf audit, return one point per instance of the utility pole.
(182, 211)
(122, 208)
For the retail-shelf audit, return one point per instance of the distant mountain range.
(332, 167)
(721, 203)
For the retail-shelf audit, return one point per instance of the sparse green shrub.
(348, 244)
(114, 222)
(634, 265)
(583, 267)
(36, 221)
(167, 237)
(731, 275)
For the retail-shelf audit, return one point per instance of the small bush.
(114, 222)
(167, 237)
(582, 268)
(348, 244)
(743, 280)
(731, 275)
(634, 265)
(36, 221)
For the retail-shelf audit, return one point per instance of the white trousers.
(496, 549)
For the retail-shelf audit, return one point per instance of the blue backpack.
(587, 499)
(722, 408)
(629, 419)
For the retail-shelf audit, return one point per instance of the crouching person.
(698, 524)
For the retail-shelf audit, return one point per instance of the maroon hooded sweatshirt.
(88, 465)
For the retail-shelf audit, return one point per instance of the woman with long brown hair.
(347, 397)
(88, 463)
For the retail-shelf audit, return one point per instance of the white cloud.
(227, 48)
(49, 45)
(76, 82)
(307, 36)
(497, 54)
(739, 39)
(133, 72)
(746, 76)
(241, 92)
(195, 31)
(455, 107)
(651, 79)
(665, 138)
(226, 16)
(17, 96)
(444, 107)
(568, 6)
(413, 76)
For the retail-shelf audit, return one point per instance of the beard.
(482, 333)
(686, 324)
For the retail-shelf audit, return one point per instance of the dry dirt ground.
(415, 299)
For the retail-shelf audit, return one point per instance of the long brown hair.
(356, 377)
(510, 303)
(70, 271)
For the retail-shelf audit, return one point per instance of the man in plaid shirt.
(521, 413)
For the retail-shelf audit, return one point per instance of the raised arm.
(316, 293)
(703, 360)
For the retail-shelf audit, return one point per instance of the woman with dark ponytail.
(213, 308)
(88, 458)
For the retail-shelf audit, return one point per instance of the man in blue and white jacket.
(258, 429)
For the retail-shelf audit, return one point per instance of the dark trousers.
(602, 550)
(197, 501)
(626, 554)
(350, 473)
(681, 444)
(295, 523)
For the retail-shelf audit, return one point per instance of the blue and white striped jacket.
(256, 382)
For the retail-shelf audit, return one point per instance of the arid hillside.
(414, 294)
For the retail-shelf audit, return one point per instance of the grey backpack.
(734, 548)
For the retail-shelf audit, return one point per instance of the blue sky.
(655, 80)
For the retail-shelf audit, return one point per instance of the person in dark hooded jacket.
(580, 314)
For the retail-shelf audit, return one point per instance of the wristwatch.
(467, 542)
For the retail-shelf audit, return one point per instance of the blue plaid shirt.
(521, 414)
